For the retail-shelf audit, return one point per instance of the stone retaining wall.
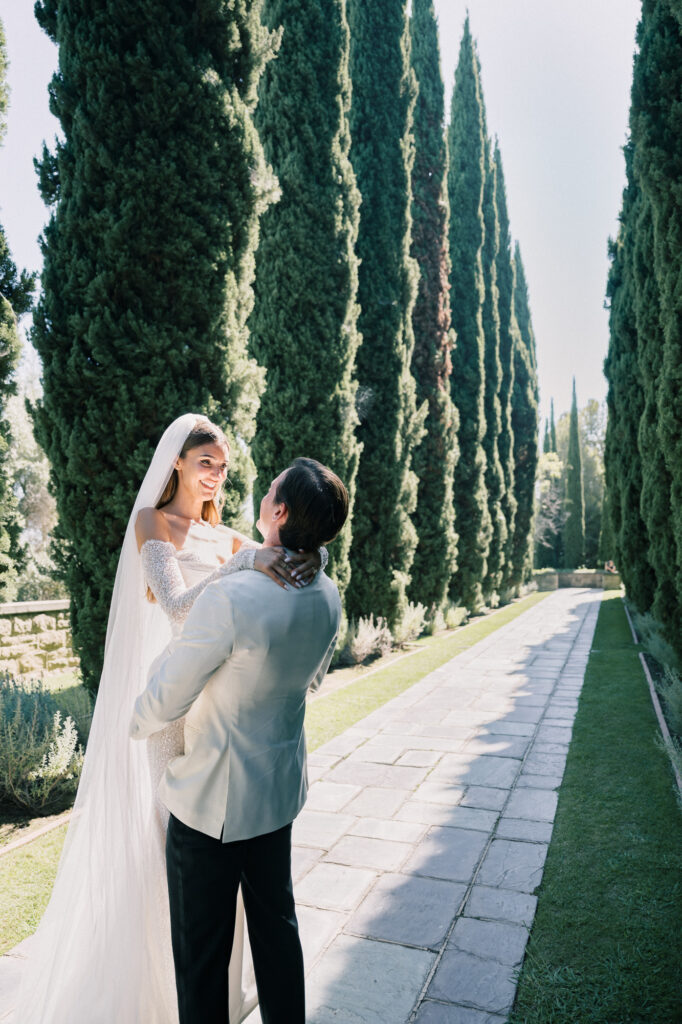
(553, 580)
(35, 637)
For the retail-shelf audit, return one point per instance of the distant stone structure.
(35, 637)
(551, 580)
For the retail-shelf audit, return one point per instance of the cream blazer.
(240, 670)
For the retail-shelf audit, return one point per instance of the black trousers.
(203, 879)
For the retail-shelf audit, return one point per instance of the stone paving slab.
(424, 838)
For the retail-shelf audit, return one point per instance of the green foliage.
(304, 324)
(655, 496)
(657, 156)
(494, 474)
(626, 404)
(384, 91)
(12, 556)
(157, 187)
(466, 151)
(524, 425)
(550, 514)
(434, 460)
(574, 530)
(509, 331)
(40, 761)
(591, 428)
(15, 299)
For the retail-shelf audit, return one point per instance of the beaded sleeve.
(163, 576)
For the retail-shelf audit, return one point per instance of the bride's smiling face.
(202, 471)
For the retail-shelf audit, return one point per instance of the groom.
(240, 670)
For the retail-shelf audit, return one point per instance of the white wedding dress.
(101, 954)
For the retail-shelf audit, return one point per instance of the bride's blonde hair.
(203, 432)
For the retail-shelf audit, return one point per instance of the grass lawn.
(27, 874)
(26, 879)
(606, 946)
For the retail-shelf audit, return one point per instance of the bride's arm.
(305, 565)
(165, 580)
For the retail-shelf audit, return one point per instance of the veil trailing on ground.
(97, 955)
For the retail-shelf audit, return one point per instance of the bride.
(102, 952)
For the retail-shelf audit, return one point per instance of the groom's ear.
(280, 513)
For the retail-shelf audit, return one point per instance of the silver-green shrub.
(40, 760)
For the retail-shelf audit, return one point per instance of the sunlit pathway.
(426, 830)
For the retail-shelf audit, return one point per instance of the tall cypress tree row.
(508, 331)
(435, 459)
(494, 474)
(304, 324)
(625, 405)
(466, 151)
(657, 86)
(157, 188)
(384, 91)
(16, 290)
(524, 415)
(574, 531)
(656, 495)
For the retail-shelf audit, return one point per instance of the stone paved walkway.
(426, 830)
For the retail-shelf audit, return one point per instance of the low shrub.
(670, 689)
(366, 639)
(649, 631)
(40, 760)
(411, 625)
(455, 616)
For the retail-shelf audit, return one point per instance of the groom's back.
(244, 740)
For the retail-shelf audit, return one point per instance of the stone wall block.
(42, 623)
(21, 624)
(5, 627)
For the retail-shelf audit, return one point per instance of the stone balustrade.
(552, 580)
(35, 637)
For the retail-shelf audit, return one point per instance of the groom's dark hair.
(317, 505)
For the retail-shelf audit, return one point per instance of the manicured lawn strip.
(328, 717)
(606, 945)
(26, 879)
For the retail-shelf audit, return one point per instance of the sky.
(556, 80)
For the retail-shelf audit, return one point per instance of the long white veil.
(97, 955)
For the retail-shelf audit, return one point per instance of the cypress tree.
(625, 404)
(524, 426)
(494, 474)
(508, 331)
(304, 324)
(656, 490)
(467, 150)
(552, 427)
(384, 91)
(655, 121)
(574, 531)
(16, 291)
(435, 459)
(157, 187)
(546, 441)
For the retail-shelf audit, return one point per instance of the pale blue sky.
(556, 77)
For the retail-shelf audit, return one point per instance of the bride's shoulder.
(151, 524)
